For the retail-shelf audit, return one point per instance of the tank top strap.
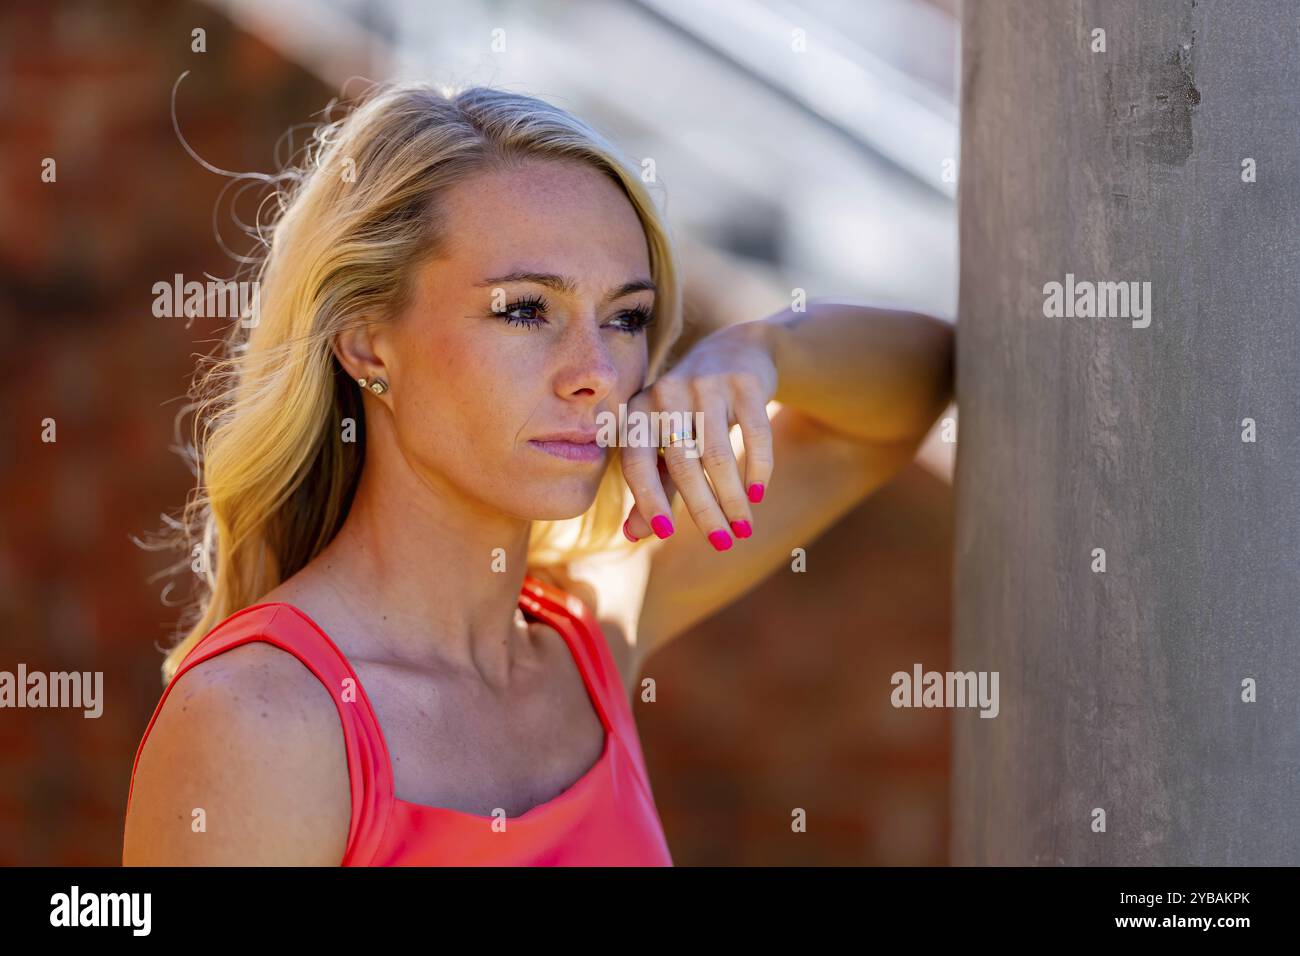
(567, 613)
(290, 629)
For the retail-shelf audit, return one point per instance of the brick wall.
(89, 85)
(782, 701)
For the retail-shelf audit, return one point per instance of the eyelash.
(642, 316)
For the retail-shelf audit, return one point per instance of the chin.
(558, 499)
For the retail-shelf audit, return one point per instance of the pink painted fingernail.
(756, 492)
(741, 528)
(720, 540)
(627, 534)
(662, 525)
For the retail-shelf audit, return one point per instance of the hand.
(728, 378)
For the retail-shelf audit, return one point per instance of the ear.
(359, 349)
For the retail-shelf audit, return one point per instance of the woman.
(422, 626)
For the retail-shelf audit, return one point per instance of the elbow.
(932, 382)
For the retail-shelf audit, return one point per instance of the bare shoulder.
(245, 765)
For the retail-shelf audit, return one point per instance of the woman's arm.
(857, 390)
(877, 375)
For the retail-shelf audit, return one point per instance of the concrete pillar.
(1122, 691)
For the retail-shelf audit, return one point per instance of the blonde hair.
(274, 482)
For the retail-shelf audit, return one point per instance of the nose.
(587, 370)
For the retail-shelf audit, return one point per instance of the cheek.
(632, 365)
(476, 391)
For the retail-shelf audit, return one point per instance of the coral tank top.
(607, 818)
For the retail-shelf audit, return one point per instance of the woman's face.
(491, 358)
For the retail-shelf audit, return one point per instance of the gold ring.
(675, 440)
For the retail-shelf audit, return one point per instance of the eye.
(533, 308)
(634, 321)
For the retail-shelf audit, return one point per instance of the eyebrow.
(566, 285)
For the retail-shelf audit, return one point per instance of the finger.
(636, 527)
(719, 461)
(687, 470)
(756, 431)
(641, 471)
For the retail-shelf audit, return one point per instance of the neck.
(417, 566)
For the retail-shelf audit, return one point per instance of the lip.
(575, 444)
(570, 450)
(575, 437)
